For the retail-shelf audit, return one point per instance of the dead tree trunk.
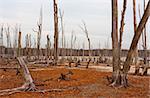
(15, 41)
(115, 47)
(29, 85)
(145, 49)
(122, 28)
(1, 40)
(28, 46)
(135, 27)
(8, 39)
(48, 49)
(19, 44)
(85, 30)
(39, 32)
(135, 40)
(144, 44)
(62, 31)
(55, 32)
(71, 50)
(123, 72)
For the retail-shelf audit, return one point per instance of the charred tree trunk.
(55, 32)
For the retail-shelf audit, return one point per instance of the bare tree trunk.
(134, 43)
(71, 50)
(115, 45)
(29, 85)
(135, 27)
(85, 30)
(62, 30)
(83, 51)
(19, 44)
(28, 46)
(120, 75)
(122, 29)
(1, 39)
(48, 49)
(39, 32)
(8, 40)
(145, 49)
(55, 32)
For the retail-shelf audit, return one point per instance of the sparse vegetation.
(74, 68)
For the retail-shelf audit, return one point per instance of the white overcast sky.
(96, 14)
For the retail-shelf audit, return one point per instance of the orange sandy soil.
(87, 83)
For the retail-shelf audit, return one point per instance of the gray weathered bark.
(120, 75)
(29, 85)
(55, 32)
(135, 27)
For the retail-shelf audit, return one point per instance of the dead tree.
(71, 50)
(19, 44)
(7, 30)
(55, 32)
(84, 29)
(120, 77)
(1, 40)
(73, 40)
(71, 46)
(122, 28)
(28, 45)
(62, 30)
(48, 49)
(15, 40)
(136, 38)
(29, 84)
(135, 27)
(145, 48)
(39, 32)
(1, 35)
(115, 47)
(144, 45)
(83, 52)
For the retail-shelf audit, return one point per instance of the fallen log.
(29, 85)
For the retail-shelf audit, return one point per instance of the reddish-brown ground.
(84, 83)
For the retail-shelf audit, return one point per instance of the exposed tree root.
(25, 89)
(118, 80)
